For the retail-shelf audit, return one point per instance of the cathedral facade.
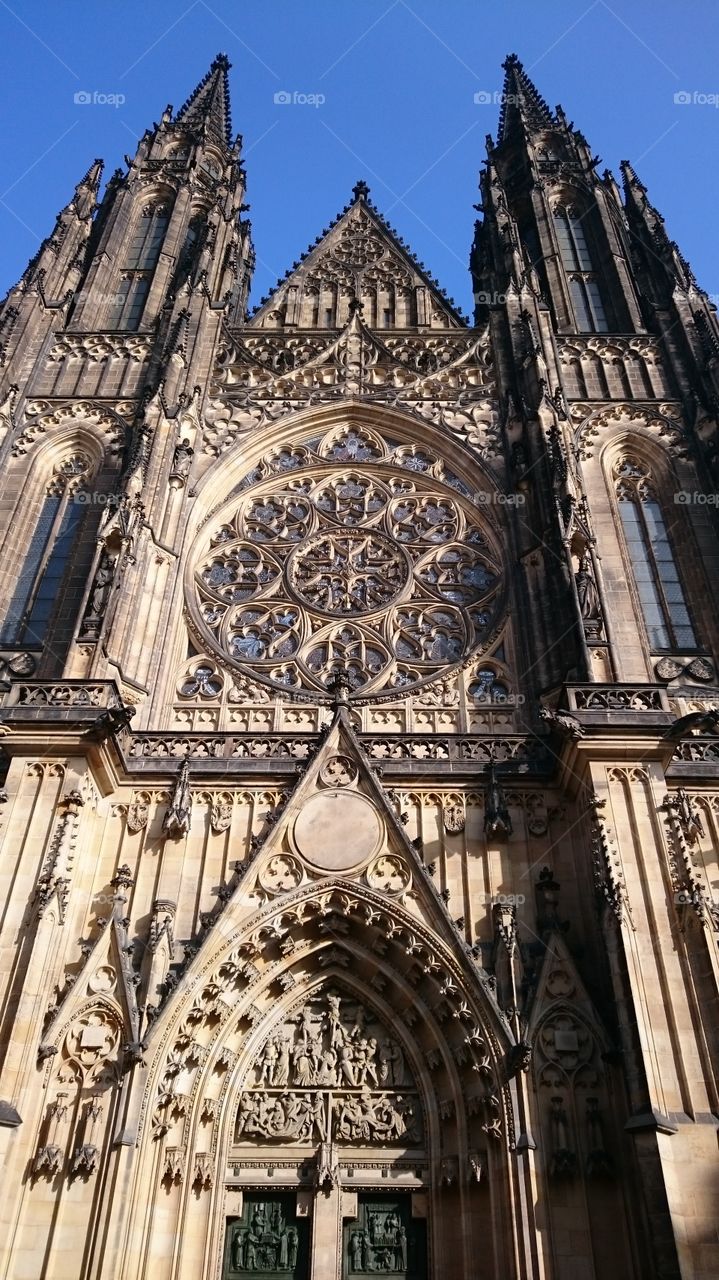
(359, 896)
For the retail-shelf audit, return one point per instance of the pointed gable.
(358, 257)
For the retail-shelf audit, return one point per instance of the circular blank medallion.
(337, 830)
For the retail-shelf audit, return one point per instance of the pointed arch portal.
(330, 1060)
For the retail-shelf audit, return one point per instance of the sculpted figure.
(347, 1064)
(267, 1062)
(292, 1244)
(281, 1072)
(303, 1066)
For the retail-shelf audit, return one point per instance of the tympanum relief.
(330, 1073)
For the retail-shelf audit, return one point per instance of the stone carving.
(203, 680)
(328, 1169)
(454, 818)
(138, 812)
(330, 1074)
(203, 1170)
(181, 463)
(179, 815)
(588, 597)
(99, 595)
(348, 574)
(281, 873)
(49, 1155)
(221, 814)
(385, 579)
(668, 669)
(339, 771)
(390, 874)
(14, 665)
(563, 1161)
(497, 821)
(688, 815)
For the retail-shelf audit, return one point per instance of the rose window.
(385, 572)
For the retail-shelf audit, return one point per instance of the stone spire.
(522, 104)
(208, 106)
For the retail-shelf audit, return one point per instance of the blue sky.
(398, 79)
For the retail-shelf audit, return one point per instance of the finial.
(360, 190)
(339, 685)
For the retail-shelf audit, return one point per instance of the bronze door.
(384, 1239)
(269, 1241)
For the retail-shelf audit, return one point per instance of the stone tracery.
(383, 571)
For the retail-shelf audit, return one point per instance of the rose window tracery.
(385, 571)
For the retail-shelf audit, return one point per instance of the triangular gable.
(339, 826)
(358, 256)
(339, 821)
(560, 988)
(106, 979)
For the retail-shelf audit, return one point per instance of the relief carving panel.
(330, 1073)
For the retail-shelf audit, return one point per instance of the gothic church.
(359, 897)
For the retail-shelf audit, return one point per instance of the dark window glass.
(655, 572)
(39, 582)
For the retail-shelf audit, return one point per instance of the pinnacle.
(521, 101)
(208, 106)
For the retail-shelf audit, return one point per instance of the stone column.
(326, 1244)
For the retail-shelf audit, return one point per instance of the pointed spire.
(521, 101)
(641, 211)
(85, 197)
(634, 190)
(208, 106)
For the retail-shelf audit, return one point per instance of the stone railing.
(403, 752)
(63, 693)
(617, 697)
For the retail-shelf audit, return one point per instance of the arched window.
(128, 303)
(143, 251)
(39, 583)
(147, 239)
(584, 291)
(655, 571)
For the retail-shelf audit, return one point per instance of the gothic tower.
(359, 887)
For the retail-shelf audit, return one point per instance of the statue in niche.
(181, 462)
(99, 595)
(588, 598)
